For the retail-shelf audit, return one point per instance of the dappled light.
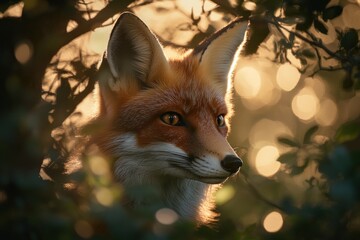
(266, 161)
(295, 123)
(84, 229)
(104, 196)
(305, 104)
(248, 82)
(273, 222)
(350, 16)
(327, 114)
(287, 77)
(166, 216)
(23, 52)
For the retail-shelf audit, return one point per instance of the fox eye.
(172, 118)
(220, 120)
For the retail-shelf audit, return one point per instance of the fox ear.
(134, 54)
(216, 54)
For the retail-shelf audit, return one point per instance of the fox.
(166, 120)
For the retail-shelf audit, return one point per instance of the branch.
(107, 12)
(256, 192)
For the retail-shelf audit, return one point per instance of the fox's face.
(168, 117)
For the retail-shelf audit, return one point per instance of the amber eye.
(172, 118)
(220, 120)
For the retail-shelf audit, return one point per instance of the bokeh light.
(23, 52)
(266, 161)
(350, 16)
(247, 82)
(98, 165)
(104, 196)
(265, 132)
(287, 77)
(224, 194)
(327, 114)
(273, 222)
(84, 229)
(305, 104)
(166, 216)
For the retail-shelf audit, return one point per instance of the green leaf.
(347, 132)
(320, 26)
(332, 12)
(309, 134)
(288, 142)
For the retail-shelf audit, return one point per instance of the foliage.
(32, 129)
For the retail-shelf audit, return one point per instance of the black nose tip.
(231, 163)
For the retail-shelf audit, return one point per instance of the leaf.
(296, 170)
(319, 5)
(320, 26)
(288, 142)
(347, 132)
(309, 134)
(308, 53)
(332, 12)
(288, 158)
(349, 39)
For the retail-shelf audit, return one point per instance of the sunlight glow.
(247, 82)
(305, 104)
(23, 52)
(265, 161)
(273, 222)
(224, 194)
(287, 77)
(166, 216)
(327, 114)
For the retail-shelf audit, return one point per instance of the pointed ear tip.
(127, 16)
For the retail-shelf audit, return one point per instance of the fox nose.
(231, 163)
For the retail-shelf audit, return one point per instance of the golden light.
(224, 194)
(23, 52)
(305, 104)
(273, 222)
(104, 196)
(196, 7)
(287, 77)
(327, 114)
(265, 161)
(247, 82)
(99, 39)
(84, 229)
(249, 5)
(98, 165)
(166, 216)
(350, 16)
(265, 132)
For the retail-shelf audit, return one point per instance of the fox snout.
(231, 163)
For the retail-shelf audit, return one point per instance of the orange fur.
(191, 156)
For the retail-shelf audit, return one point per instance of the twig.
(256, 192)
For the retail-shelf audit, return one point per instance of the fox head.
(168, 117)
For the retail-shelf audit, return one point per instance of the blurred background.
(296, 123)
